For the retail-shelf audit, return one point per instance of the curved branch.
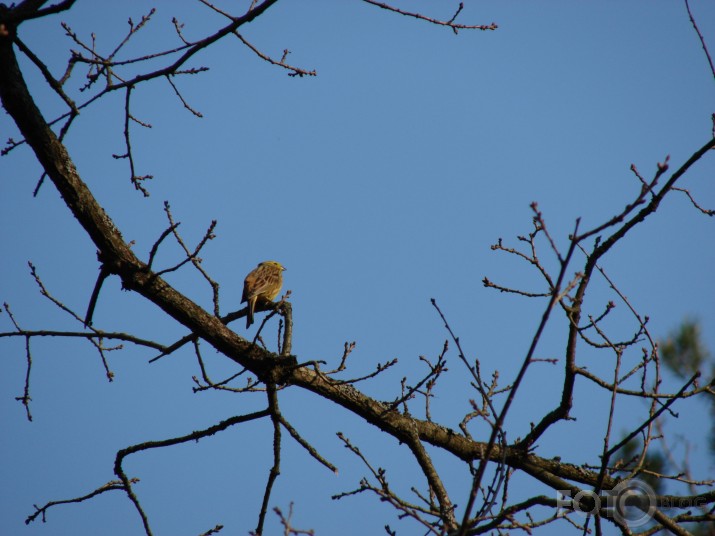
(113, 485)
(193, 436)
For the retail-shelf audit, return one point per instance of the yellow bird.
(262, 285)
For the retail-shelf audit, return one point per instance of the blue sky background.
(379, 184)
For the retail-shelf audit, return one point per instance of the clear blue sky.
(379, 184)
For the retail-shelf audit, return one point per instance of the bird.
(261, 285)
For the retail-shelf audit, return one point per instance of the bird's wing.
(259, 282)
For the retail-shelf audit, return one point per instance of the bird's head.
(273, 264)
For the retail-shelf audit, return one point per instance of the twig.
(103, 274)
(450, 23)
(276, 467)
(181, 98)
(700, 36)
(288, 529)
(215, 530)
(25, 398)
(135, 179)
(155, 247)
(706, 211)
(230, 317)
(435, 371)
(94, 334)
(51, 81)
(277, 308)
(508, 513)
(379, 368)
(220, 385)
(97, 344)
(294, 71)
(489, 284)
(208, 235)
(113, 485)
(446, 508)
(385, 493)
(307, 446)
(605, 458)
(287, 310)
(348, 347)
(653, 417)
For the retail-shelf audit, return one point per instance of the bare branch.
(706, 211)
(294, 71)
(288, 528)
(385, 493)
(347, 350)
(446, 508)
(193, 436)
(700, 36)
(193, 257)
(215, 530)
(178, 94)
(450, 23)
(158, 242)
(25, 398)
(97, 344)
(653, 417)
(307, 446)
(379, 368)
(51, 81)
(222, 385)
(113, 485)
(94, 334)
(135, 179)
(276, 467)
(101, 277)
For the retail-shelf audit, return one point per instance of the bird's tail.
(249, 315)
